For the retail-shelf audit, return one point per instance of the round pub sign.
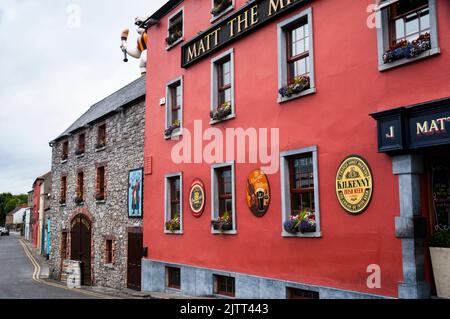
(258, 193)
(197, 198)
(354, 184)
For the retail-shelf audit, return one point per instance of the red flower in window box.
(223, 223)
(222, 112)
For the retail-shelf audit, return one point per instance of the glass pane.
(227, 95)
(300, 67)
(425, 20)
(412, 24)
(296, 184)
(306, 201)
(305, 180)
(399, 29)
(296, 202)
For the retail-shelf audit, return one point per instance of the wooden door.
(81, 246)
(135, 242)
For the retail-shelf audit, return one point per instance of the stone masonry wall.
(124, 152)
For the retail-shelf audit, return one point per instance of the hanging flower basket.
(221, 113)
(174, 37)
(299, 84)
(174, 224)
(408, 50)
(221, 7)
(169, 131)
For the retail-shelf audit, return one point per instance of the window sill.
(222, 14)
(169, 47)
(177, 232)
(79, 204)
(226, 232)
(63, 162)
(62, 205)
(100, 202)
(229, 117)
(173, 290)
(80, 156)
(395, 64)
(282, 99)
(109, 266)
(301, 235)
(100, 149)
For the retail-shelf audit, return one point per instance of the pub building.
(359, 92)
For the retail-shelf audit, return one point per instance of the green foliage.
(440, 239)
(8, 202)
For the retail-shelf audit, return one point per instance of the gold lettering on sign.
(242, 18)
(254, 15)
(435, 126)
(192, 52)
(231, 25)
(275, 6)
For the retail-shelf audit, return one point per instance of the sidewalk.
(101, 291)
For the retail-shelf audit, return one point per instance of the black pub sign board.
(253, 15)
(414, 127)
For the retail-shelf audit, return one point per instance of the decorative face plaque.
(258, 193)
(354, 185)
(197, 198)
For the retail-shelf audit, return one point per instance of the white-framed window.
(300, 193)
(296, 57)
(223, 201)
(173, 199)
(174, 108)
(220, 8)
(407, 32)
(222, 87)
(175, 29)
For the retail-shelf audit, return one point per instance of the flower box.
(173, 225)
(174, 37)
(79, 152)
(296, 86)
(408, 50)
(222, 223)
(78, 200)
(305, 222)
(169, 131)
(221, 7)
(221, 113)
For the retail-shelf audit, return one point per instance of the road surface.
(16, 276)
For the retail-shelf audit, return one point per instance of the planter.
(174, 37)
(221, 113)
(291, 226)
(169, 131)
(221, 226)
(308, 226)
(440, 259)
(298, 85)
(407, 49)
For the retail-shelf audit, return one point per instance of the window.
(174, 108)
(301, 177)
(220, 8)
(295, 57)
(293, 293)
(80, 188)
(63, 191)
(174, 203)
(173, 277)
(65, 151)
(64, 254)
(101, 185)
(81, 145)
(109, 251)
(300, 193)
(408, 32)
(224, 285)
(222, 88)
(223, 201)
(101, 137)
(175, 31)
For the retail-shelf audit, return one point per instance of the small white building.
(27, 226)
(18, 217)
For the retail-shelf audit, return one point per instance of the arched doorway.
(80, 248)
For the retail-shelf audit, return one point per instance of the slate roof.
(110, 104)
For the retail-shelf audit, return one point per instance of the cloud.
(55, 73)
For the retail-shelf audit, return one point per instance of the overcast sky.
(57, 58)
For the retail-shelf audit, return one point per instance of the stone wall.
(124, 152)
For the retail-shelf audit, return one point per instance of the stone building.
(96, 205)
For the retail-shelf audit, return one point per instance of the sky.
(57, 58)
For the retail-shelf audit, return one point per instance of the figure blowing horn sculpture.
(140, 51)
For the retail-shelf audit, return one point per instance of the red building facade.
(35, 211)
(322, 73)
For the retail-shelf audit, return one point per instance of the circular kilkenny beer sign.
(197, 198)
(258, 193)
(354, 184)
